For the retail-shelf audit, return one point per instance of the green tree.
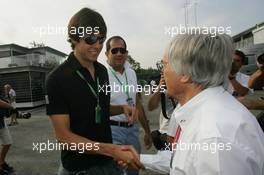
(135, 65)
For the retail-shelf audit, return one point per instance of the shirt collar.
(75, 64)
(183, 114)
(110, 68)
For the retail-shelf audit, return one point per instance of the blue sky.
(141, 22)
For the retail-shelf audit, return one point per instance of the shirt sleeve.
(243, 80)
(55, 99)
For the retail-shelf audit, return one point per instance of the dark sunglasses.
(119, 49)
(92, 39)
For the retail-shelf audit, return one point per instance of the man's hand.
(127, 157)
(148, 140)
(131, 113)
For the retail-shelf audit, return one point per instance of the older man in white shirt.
(214, 133)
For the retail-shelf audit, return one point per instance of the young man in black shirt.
(79, 109)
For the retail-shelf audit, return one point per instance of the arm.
(256, 79)
(144, 122)
(241, 90)
(252, 104)
(155, 97)
(154, 100)
(61, 125)
(5, 105)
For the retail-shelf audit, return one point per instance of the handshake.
(127, 157)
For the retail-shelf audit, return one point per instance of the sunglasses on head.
(119, 49)
(92, 39)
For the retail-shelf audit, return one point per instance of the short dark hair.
(114, 38)
(241, 55)
(86, 17)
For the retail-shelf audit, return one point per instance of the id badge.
(130, 102)
(98, 114)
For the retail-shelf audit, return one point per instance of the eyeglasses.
(118, 49)
(92, 39)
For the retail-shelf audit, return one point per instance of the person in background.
(168, 104)
(10, 94)
(256, 80)
(5, 139)
(238, 82)
(121, 75)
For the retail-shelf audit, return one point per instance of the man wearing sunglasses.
(120, 74)
(79, 112)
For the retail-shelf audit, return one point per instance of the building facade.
(249, 37)
(25, 69)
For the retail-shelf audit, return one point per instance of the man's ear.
(185, 79)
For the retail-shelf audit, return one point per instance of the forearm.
(257, 104)
(78, 143)
(116, 110)
(5, 105)
(143, 119)
(241, 90)
(255, 79)
(154, 100)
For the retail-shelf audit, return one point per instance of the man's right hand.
(127, 157)
(131, 113)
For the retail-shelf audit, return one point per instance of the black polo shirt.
(69, 94)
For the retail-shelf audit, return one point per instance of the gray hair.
(206, 59)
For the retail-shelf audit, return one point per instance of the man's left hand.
(131, 113)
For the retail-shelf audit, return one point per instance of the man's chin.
(93, 57)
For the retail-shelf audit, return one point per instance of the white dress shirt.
(243, 80)
(119, 97)
(218, 136)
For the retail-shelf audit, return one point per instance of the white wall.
(258, 35)
(4, 62)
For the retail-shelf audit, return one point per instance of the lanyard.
(126, 88)
(95, 93)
